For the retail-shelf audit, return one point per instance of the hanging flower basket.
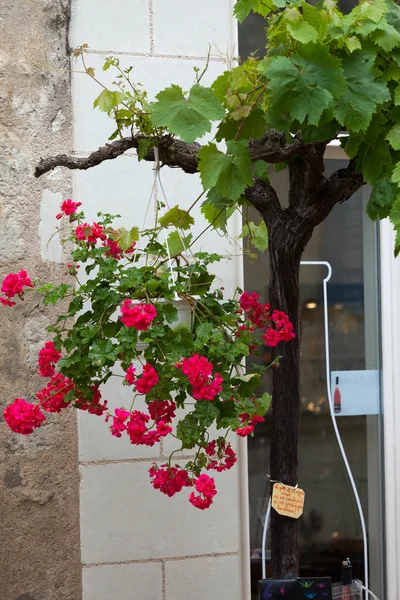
(151, 303)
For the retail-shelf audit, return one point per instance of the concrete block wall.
(135, 542)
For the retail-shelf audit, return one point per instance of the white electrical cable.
(335, 427)
(264, 540)
(368, 591)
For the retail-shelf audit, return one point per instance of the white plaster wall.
(137, 543)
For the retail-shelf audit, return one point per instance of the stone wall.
(133, 537)
(39, 479)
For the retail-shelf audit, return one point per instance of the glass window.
(330, 528)
(252, 32)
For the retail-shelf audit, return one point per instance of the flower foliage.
(178, 344)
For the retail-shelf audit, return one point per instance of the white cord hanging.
(337, 433)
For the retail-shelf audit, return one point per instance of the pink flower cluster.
(13, 285)
(68, 207)
(52, 397)
(248, 424)
(139, 316)
(162, 410)
(146, 382)
(169, 480)
(48, 358)
(135, 424)
(222, 456)
(199, 370)
(23, 417)
(94, 406)
(90, 233)
(279, 328)
(114, 249)
(283, 331)
(205, 485)
(258, 314)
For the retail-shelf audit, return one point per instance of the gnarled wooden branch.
(271, 148)
(173, 153)
(265, 199)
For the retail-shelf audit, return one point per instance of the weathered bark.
(285, 254)
(311, 198)
(272, 148)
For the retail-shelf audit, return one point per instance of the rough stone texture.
(39, 480)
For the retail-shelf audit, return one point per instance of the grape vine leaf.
(177, 217)
(393, 137)
(125, 238)
(177, 244)
(258, 235)
(303, 32)
(244, 7)
(189, 118)
(108, 100)
(396, 174)
(229, 173)
(305, 84)
(395, 219)
(382, 198)
(364, 92)
(375, 156)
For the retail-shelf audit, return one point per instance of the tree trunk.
(285, 252)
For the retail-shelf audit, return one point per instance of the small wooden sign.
(287, 500)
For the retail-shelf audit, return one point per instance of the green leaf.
(206, 412)
(304, 85)
(373, 10)
(263, 404)
(247, 383)
(253, 126)
(396, 174)
(395, 219)
(397, 96)
(89, 332)
(188, 118)
(375, 156)
(243, 7)
(355, 108)
(352, 43)
(217, 209)
(229, 173)
(188, 431)
(177, 244)
(303, 32)
(103, 351)
(260, 170)
(381, 200)
(108, 100)
(177, 217)
(387, 38)
(170, 313)
(125, 238)
(144, 145)
(56, 294)
(258, 235)
(393, 137)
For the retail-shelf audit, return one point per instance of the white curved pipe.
(335, 427)
(264, 540)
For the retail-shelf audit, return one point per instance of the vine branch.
(272, 148)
